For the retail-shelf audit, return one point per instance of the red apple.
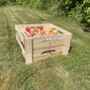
(35, 29)
(42, 31)
(50, 33)
(27, 29)
(32, 33)
(41, 27)
(43, 34)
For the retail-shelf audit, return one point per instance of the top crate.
(41, 47)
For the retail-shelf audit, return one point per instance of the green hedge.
(77, 9)
(3, 2)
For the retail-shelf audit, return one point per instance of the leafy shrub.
(86, 12)
(75, 13)
(3, 2)
(77, 9)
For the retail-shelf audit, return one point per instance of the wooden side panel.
(41, 47)
(19, 42)
(20, 36)
(47, 47)
(57, 47)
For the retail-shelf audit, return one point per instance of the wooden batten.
(28, 50)
(21, 46)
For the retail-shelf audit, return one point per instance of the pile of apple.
(52, 31)
(41, 30)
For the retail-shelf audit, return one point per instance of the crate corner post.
(28, 59)
(28, 51)
(68, 37)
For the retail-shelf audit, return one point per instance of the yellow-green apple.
(32, 33)
(55, 32)
(50, 29)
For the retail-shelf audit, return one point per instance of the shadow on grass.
(70, 49)
(87, 29)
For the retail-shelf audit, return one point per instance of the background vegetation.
(77, 9)
(71, 72)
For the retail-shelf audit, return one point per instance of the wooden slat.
(57, 53)
(41, 57)
(57, 49)
(21, 37)
(47, 46)
(40, 44)
(56, 37)
(43, 51)
(57, 42)
(39, 33)
(24, 35)
(27, 34)
(36, 58)
(20, 44)
(40, 52)
(36, 33)
(40, 47)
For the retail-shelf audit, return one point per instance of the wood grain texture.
(28, 50)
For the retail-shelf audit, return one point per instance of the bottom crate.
(38, 48)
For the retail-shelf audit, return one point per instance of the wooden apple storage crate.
(41, 47)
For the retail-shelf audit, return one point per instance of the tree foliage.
(3, 2)
(78, 9)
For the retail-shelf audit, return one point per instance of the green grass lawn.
(71, 72)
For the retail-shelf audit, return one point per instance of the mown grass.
(71, 72)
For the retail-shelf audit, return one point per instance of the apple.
(35, 29)
(32, 33)
(43, 34)
(41, 27)
(50, 33)
(27, 29)
(55, 32)
(50, 30)
(42, 31)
